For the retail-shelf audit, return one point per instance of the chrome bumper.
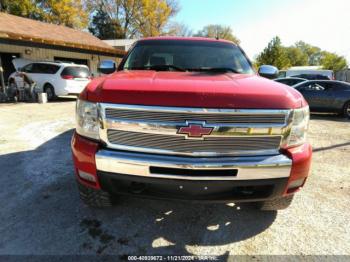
(138, 164)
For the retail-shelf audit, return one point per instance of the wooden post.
(2, 81)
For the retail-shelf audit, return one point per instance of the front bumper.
(214, 178)
(184, 168)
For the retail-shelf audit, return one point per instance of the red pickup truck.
(189, 119)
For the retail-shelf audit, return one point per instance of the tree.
(296, 56)
(103, 27)
(153, 17)
(312, 52)
(24, 8)
(274, 54)
(299, 54)
(63, 12)
(332, 61)
(178, 29)
(218, 31)
(137, 18)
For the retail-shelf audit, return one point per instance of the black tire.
(50, 92)
(346, 109)
(95, 198)
(275, 204)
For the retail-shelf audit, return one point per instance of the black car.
(312, 77)
(326, 95)
(290, 81)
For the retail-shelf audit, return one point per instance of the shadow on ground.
(63, 99)
(57, 100)
(331, 117)
(41, 214)
(318, 149)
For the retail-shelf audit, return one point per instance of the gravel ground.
(41, 212)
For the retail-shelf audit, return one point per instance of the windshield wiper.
(158, 68)
(214, 69)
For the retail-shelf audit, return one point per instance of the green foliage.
(274, 54)
(296, 56)
(299, 54)
(220, 31)
(312, 52)
(103, 27)
(332, 61)
(24, 8)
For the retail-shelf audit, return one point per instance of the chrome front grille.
(181, 117)
(182, 145)
(155, 130)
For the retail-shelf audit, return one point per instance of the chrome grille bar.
(154, 129)
(180, 144)
(180, 117)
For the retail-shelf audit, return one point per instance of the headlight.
(87, 119)
(299, 127)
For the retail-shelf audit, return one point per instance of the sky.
(323, 23)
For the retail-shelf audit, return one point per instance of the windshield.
(181, 55)
(76, 71)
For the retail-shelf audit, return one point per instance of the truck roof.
(187, 39)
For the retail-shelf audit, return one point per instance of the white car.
(54, 78)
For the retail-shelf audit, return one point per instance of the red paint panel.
(84, 151)
(192, 89)
(195, 130)
(301, 157)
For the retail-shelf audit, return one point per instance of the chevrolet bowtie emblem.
(195, 130)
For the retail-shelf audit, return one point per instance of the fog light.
(87, 176)
(296, 184)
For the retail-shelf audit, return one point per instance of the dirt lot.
(41, 212)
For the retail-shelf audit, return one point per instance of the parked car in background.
(282, 73)
(310, 72)
(54, 78)
(290, 81)
(326, 96)
(313, 77)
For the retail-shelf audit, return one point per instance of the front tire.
(275, 204)
(346, 109)
(95, 198)
(50, 92)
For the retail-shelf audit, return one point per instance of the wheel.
(275, 204)
(346, 109)
(95, 198)
(50, 92)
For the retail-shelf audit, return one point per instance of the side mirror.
(107, 67)
(268, 71)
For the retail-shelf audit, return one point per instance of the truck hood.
(192, 89)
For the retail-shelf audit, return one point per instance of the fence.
(343, 75)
